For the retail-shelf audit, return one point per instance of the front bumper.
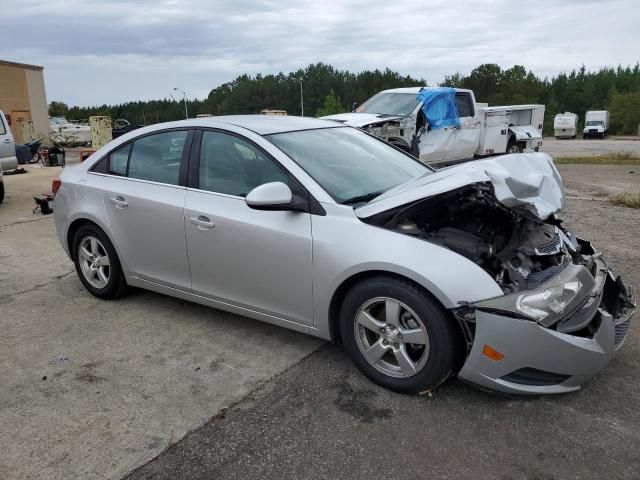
(539, 360)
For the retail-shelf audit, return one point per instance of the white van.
(8, 159)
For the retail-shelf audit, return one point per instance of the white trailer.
(596, 124)
(565, 125)
(397, 116)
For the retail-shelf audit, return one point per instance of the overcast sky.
(98, 52)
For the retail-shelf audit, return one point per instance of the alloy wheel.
(94, 262)
(391, 337)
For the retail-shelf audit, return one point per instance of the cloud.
(98, 52)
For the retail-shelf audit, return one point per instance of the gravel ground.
(591, 147)
(599, 181)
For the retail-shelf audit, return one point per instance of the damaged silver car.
(327, 230)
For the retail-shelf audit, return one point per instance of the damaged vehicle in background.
(442, 125)
(327, 230)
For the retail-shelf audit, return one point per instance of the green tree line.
(329, 90)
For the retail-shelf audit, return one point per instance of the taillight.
(55, 185)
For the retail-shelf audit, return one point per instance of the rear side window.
(157, 157)
(118, 160)
(464, 104)
(3, 129)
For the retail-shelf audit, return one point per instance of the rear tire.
(1, 192)
(398, 335)
(97, 263)
(513, 146)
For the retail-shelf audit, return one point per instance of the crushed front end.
(563, 312)
(550, 339)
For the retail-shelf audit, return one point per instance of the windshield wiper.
(367, 197)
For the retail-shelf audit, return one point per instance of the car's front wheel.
(97, 263)
(398, 335)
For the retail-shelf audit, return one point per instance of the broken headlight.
(549, 302)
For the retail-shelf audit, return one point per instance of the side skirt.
(227, 307)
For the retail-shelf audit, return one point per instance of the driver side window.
(233, 166)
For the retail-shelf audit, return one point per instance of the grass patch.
(631, 200)
(625, 158)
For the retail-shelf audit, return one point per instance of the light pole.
(184, 97)
(301, 99)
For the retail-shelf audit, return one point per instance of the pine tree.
(331, 105)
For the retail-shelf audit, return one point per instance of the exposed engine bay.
(519, 252)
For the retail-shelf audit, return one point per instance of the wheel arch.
(77, 223)
(342, 289)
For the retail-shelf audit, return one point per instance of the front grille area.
(621, 332)
(552, 247)
(533, 376)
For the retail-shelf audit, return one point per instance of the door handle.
(203, 223)
(6, 140)
(119, 202)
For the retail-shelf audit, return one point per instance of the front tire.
(97, 263)
(398, 335)
(1, 192)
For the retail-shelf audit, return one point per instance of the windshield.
(593, 123)
(390, 103)
(350, 165)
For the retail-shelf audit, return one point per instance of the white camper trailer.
(565, 125)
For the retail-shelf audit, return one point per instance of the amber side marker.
(490, 352)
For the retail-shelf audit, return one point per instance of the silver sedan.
(326, 230)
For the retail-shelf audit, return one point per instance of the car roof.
(416, 90)
(260, 124)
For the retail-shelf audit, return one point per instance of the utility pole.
(301, 99)
(184, 97)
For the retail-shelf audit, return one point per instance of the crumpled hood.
(525, 182)
(360, 120)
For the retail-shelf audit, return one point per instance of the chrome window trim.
(129, 179)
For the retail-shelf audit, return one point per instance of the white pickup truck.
(397, 116)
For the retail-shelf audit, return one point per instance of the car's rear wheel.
(398, 335)
(1, 191)
(97, 263)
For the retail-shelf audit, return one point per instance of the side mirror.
(270, 196)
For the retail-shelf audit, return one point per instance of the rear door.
(254, 259)
(467, 137)
(144, 190)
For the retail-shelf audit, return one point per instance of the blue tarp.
(439, 106)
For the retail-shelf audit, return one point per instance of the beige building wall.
(38, 103)
(23, 97)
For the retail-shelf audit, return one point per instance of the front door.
(260, 260)
(467, 137)
(145, 206)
